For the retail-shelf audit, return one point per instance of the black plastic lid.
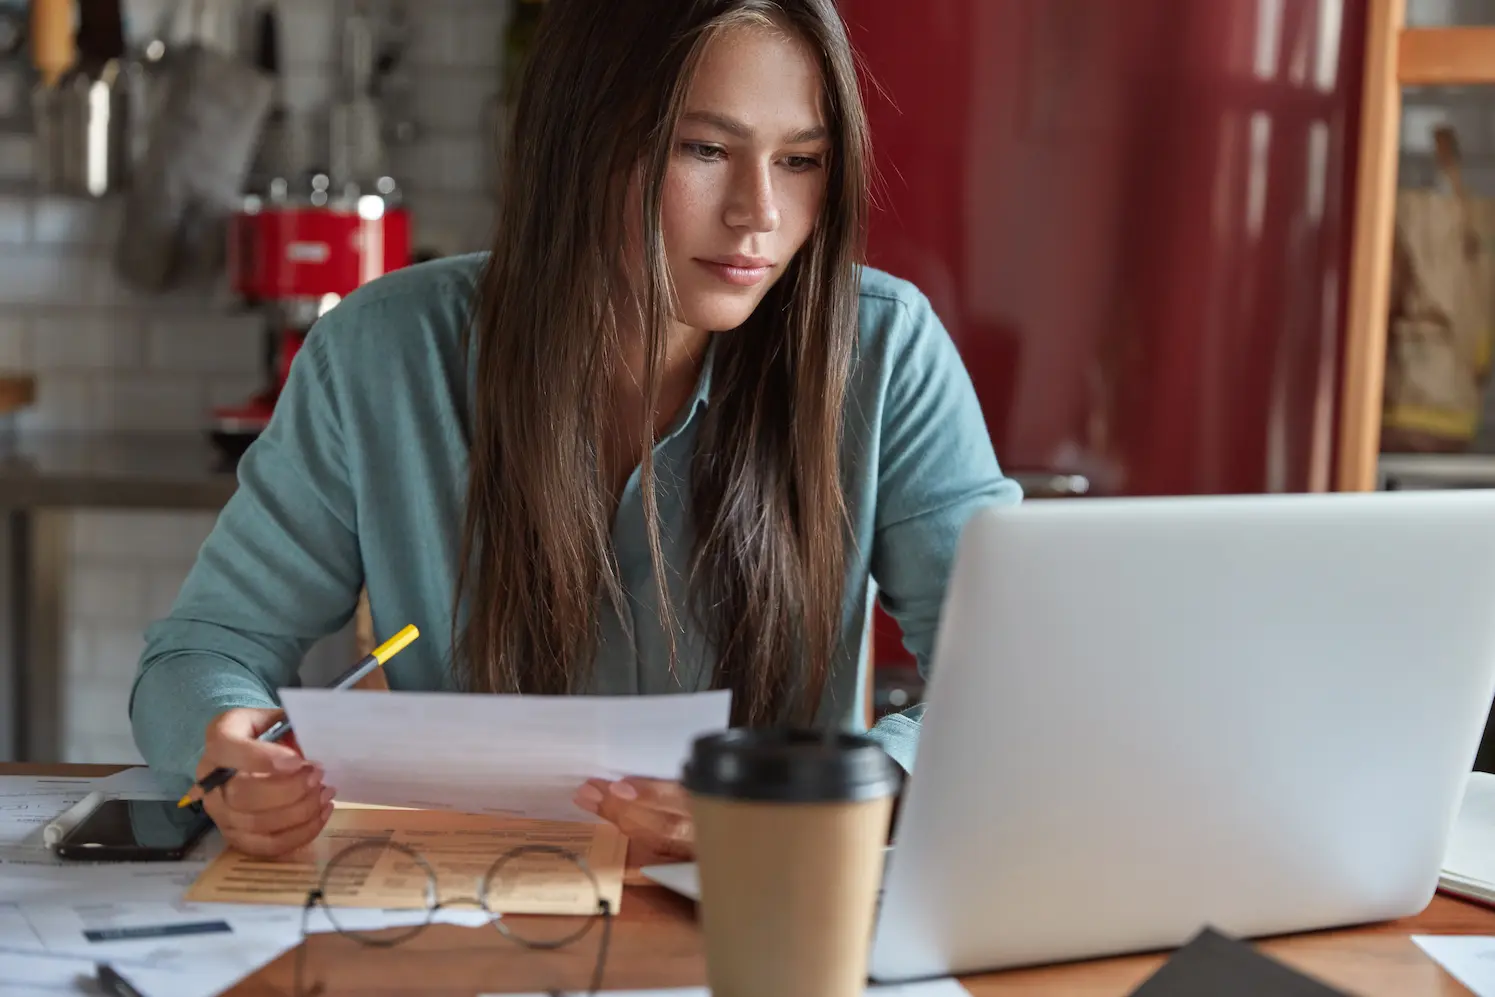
(790, 766)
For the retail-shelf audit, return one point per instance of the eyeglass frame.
(318, 895)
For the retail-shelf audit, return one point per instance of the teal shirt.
(360, 481)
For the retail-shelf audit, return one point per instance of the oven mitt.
(1212, 965)
(202, 141)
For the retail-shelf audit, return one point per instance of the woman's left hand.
(654, 813)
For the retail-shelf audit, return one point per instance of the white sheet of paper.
(65, 882)
(137, 782)
(27, 804)
(46, 905)
(46, 974)
(208, 972)
(1470, 959)
(929, 988)
(518, 756)
(111, 928)
(1469, 863)
(37, 974)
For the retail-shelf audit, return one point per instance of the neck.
(684, 352)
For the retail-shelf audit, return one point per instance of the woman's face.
(747, 173)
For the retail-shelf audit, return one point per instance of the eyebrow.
(736, 128)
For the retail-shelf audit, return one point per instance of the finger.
(282, 819)
(250, 792)
(231, 743)
(590, 796)
(270, 789)
(245, 722)
(666, 793)
(283, 842)
(667, 832)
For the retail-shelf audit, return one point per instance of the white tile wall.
(110, 359)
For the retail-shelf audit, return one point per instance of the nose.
(751, 203)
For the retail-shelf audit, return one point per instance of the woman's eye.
(706, 153)
(802, 164)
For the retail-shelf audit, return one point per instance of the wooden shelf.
(1363, 367)
(1396, 57)
(1446, 56)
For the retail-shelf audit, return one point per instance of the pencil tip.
(185, 801)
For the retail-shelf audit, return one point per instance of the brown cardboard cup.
(790, 831)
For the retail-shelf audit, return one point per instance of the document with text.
(928, 988)
(511, 756)
(458, 848)
(1470, 959)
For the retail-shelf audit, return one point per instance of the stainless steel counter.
(41, 481)
(164, 473)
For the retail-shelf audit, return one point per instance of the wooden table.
(655, 943)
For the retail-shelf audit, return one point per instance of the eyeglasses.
(347, 871)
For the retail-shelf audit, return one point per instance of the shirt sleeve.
(936, 468)
(280, 570)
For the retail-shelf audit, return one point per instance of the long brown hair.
(597, 109)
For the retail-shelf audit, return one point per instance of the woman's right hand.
(277, 802)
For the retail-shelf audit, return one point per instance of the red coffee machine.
(295, 258)
(298, 247)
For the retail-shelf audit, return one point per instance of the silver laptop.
(1151, 715)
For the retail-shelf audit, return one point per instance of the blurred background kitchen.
(326, 142)
(1156, 229)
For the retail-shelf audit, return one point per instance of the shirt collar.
(701, 397)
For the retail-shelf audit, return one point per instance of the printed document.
(211, 970)
(459, 848)
(1470, 959)
(929, 988)
(512, 756)
(57, 919)
(1469, 863)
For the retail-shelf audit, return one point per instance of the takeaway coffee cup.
(790, 832)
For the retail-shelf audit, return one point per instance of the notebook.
(1469, 863)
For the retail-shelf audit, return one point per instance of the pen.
(281, 728)
(114, 984)
(58, 829)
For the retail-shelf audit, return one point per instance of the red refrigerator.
(1134, 218)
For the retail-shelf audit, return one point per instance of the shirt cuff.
(172, 704)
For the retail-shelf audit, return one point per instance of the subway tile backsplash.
(110, 359)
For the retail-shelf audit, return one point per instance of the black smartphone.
(135, 831)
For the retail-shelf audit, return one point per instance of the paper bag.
(1442, 312)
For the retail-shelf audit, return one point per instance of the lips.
(739, 271)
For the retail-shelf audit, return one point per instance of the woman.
(657, 440)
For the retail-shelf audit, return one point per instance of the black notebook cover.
(1213, 965)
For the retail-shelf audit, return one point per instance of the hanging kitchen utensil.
(54, 50)
(16, 71)
(394, 78)
(53, 41)
(201, 145)
(83, 119)
(357, 152)
(272, 157)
